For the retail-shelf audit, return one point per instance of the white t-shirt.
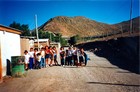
(39, 58)
(43, 54)
(75, 52)
(26, 58)
(31, 54)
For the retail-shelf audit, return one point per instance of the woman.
(47, 55)
(82, 57)
(55, 55)
(51, 55)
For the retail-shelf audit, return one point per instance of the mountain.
(125, 25)
(70, 26)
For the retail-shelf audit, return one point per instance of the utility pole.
(36, 31)
(130, 17)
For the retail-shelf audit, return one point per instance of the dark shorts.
(47, 56)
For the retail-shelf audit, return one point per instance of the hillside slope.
(70, 26)
(125, 25)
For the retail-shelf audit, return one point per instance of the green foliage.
(74, 39)
(58, 37)
(63, 42)
(42, 34)
(23, 27)
(51, 37)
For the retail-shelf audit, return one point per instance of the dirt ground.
(98, 76)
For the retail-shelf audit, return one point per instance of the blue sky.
(107, 11)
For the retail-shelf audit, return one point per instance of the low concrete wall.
(123, 52)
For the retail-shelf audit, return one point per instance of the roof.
(41, 40)
(28, 37)
(9, 29)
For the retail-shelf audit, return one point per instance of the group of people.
(47, 56)
(73, 56)
(37, 59)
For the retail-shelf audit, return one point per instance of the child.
(38, 61)
(31, 60)
(26, 59)
(36, 58)
(43, 63)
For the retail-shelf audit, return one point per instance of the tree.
(23, 27)
(58, 37)
(63, 42)
(73, 40)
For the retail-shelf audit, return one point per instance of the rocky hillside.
(70, 26)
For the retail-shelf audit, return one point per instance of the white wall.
(10, 46)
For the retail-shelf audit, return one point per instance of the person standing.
(67, 57)
(26, 60)
(47, 55)
(31, 60)
(75, 52)
(51, 55)
(38, 61)
(55, 55)
(82, 57)
(43, 62)
(70, 56)
(35, 58)
(62, 56)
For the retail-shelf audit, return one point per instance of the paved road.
(98, 76)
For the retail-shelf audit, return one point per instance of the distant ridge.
(125, 25)
(82, 26)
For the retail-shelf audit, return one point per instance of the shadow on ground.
(115, 84)
(123, 52)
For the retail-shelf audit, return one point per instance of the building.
(9, 46)
(26, 42)
(42, 43)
